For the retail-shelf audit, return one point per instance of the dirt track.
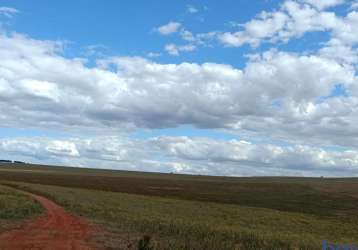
(54, 230)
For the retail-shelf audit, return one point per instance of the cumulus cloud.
(261, 156)
(337, 50)
(278, 93)
(169, 28)
(107, 151)
(183, 155)
(308, 100)
(292, 20)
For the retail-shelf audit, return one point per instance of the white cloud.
(292, 20)
(347, 29)
(323, 4)
(76, 151)
(8, 11)
(172, 49)
(191, 9)
(276, 95)
(187, 35)
(234, 156)
(256, 30)
(193, 42)
(202, 39)
(289, 97)
(354, 5)
(37, 88)
(279, 94)
(175, 50)
(153, 54)
(95, 50)
(62, 148)
(169, 28)
(337, 50)
(183, 155)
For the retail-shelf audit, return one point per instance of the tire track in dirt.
(54, 230)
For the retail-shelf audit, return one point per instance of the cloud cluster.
(71, 151)
(301, 99)
(262, 157)
(293, 20)
(191, 41)
(183, 155)
(278, 93)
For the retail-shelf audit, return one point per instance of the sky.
(232, 87)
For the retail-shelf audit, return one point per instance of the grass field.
(15, 207)
(200, 212)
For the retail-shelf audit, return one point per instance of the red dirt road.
(54, 230)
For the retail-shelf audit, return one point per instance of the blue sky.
(208, 87)
(126, 27)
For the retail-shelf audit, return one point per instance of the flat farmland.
(198, 212)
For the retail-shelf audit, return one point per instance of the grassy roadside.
(15, 207)
(180, 224)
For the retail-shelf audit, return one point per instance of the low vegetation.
(15, 207)
(304, 195)
(174, 224)
(158, 211)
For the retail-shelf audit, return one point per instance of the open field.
(200, 212)
(15, 207)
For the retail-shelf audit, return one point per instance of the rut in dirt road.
(55, 230)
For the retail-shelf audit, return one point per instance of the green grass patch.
(184, 224)
(15, 207)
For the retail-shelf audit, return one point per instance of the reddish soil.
(54, 230)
